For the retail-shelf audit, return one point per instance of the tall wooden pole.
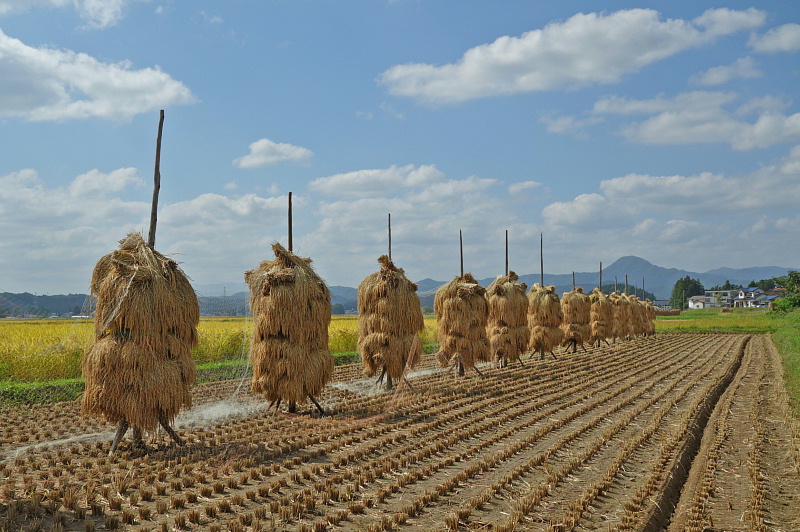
(601, 276)
(461, 251)
(151, 239)
(390, 236)
(541, 259)
(573, 280)
(290, 221)
(506, 252)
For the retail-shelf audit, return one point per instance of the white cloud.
(701, 117)
(96, 13)
(584, 49)
(265, 152)
(54, 235)
(517, 188)
(564, 125)
(785, 38)
(97, 183)
(386, 181)
(218, 236)
(744, 68)
(44, 84)
(625, 200)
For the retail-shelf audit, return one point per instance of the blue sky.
(666, 130)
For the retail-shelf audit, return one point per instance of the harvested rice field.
(671, 432)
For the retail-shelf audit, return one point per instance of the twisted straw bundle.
(461, 312)
(140, 367)
(507, 323)
(577, 316)
(291, 308)
(651, 317)
(601, 317)
(544, 319)
(389, 320)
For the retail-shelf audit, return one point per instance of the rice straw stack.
(389, 320)
(507, 324)
(651, 317)
(461, 312)
(291, 308)
(639, 316)
(576, 307)
(601, 317)
(544, 319)
(139, 370)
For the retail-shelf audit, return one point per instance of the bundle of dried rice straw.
(650, 316)
(291, 308)
(623, 316)
(576, 307)
(461, 312)
(507, 324)
(602, 317)
(389, 320)
(139, 370)
(544, 319)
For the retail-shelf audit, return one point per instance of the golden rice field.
(674, 432)
(43, 350)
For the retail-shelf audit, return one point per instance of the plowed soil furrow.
(577, 443)
(745, 476)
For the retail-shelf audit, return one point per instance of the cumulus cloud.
(96, 13)
(743, 68)
(569, 125)
(522, 186)
(54, 235)
(265, 152)
(374, 182)
(624, 200)
(703, 218)
(704, 117)
(45, 84)
(785, 38)
(585, 49)
(218, 236)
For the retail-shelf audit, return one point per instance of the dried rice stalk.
(651, 317)
(461, 312)
(602, 317)
(577, 317)
(544, 319)
(140, 368)
(291, 308)
(507, 324)
(389, 320)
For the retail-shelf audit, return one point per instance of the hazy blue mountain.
(231, 298)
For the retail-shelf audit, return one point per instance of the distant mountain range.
(230, 299)
(657, 280)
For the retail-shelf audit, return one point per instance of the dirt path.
(673, 432)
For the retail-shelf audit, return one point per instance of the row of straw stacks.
(537, 323)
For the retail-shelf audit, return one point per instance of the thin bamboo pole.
(290, 221)
(461, 251)
(151, 238)
(541, 259)
(506, 252)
